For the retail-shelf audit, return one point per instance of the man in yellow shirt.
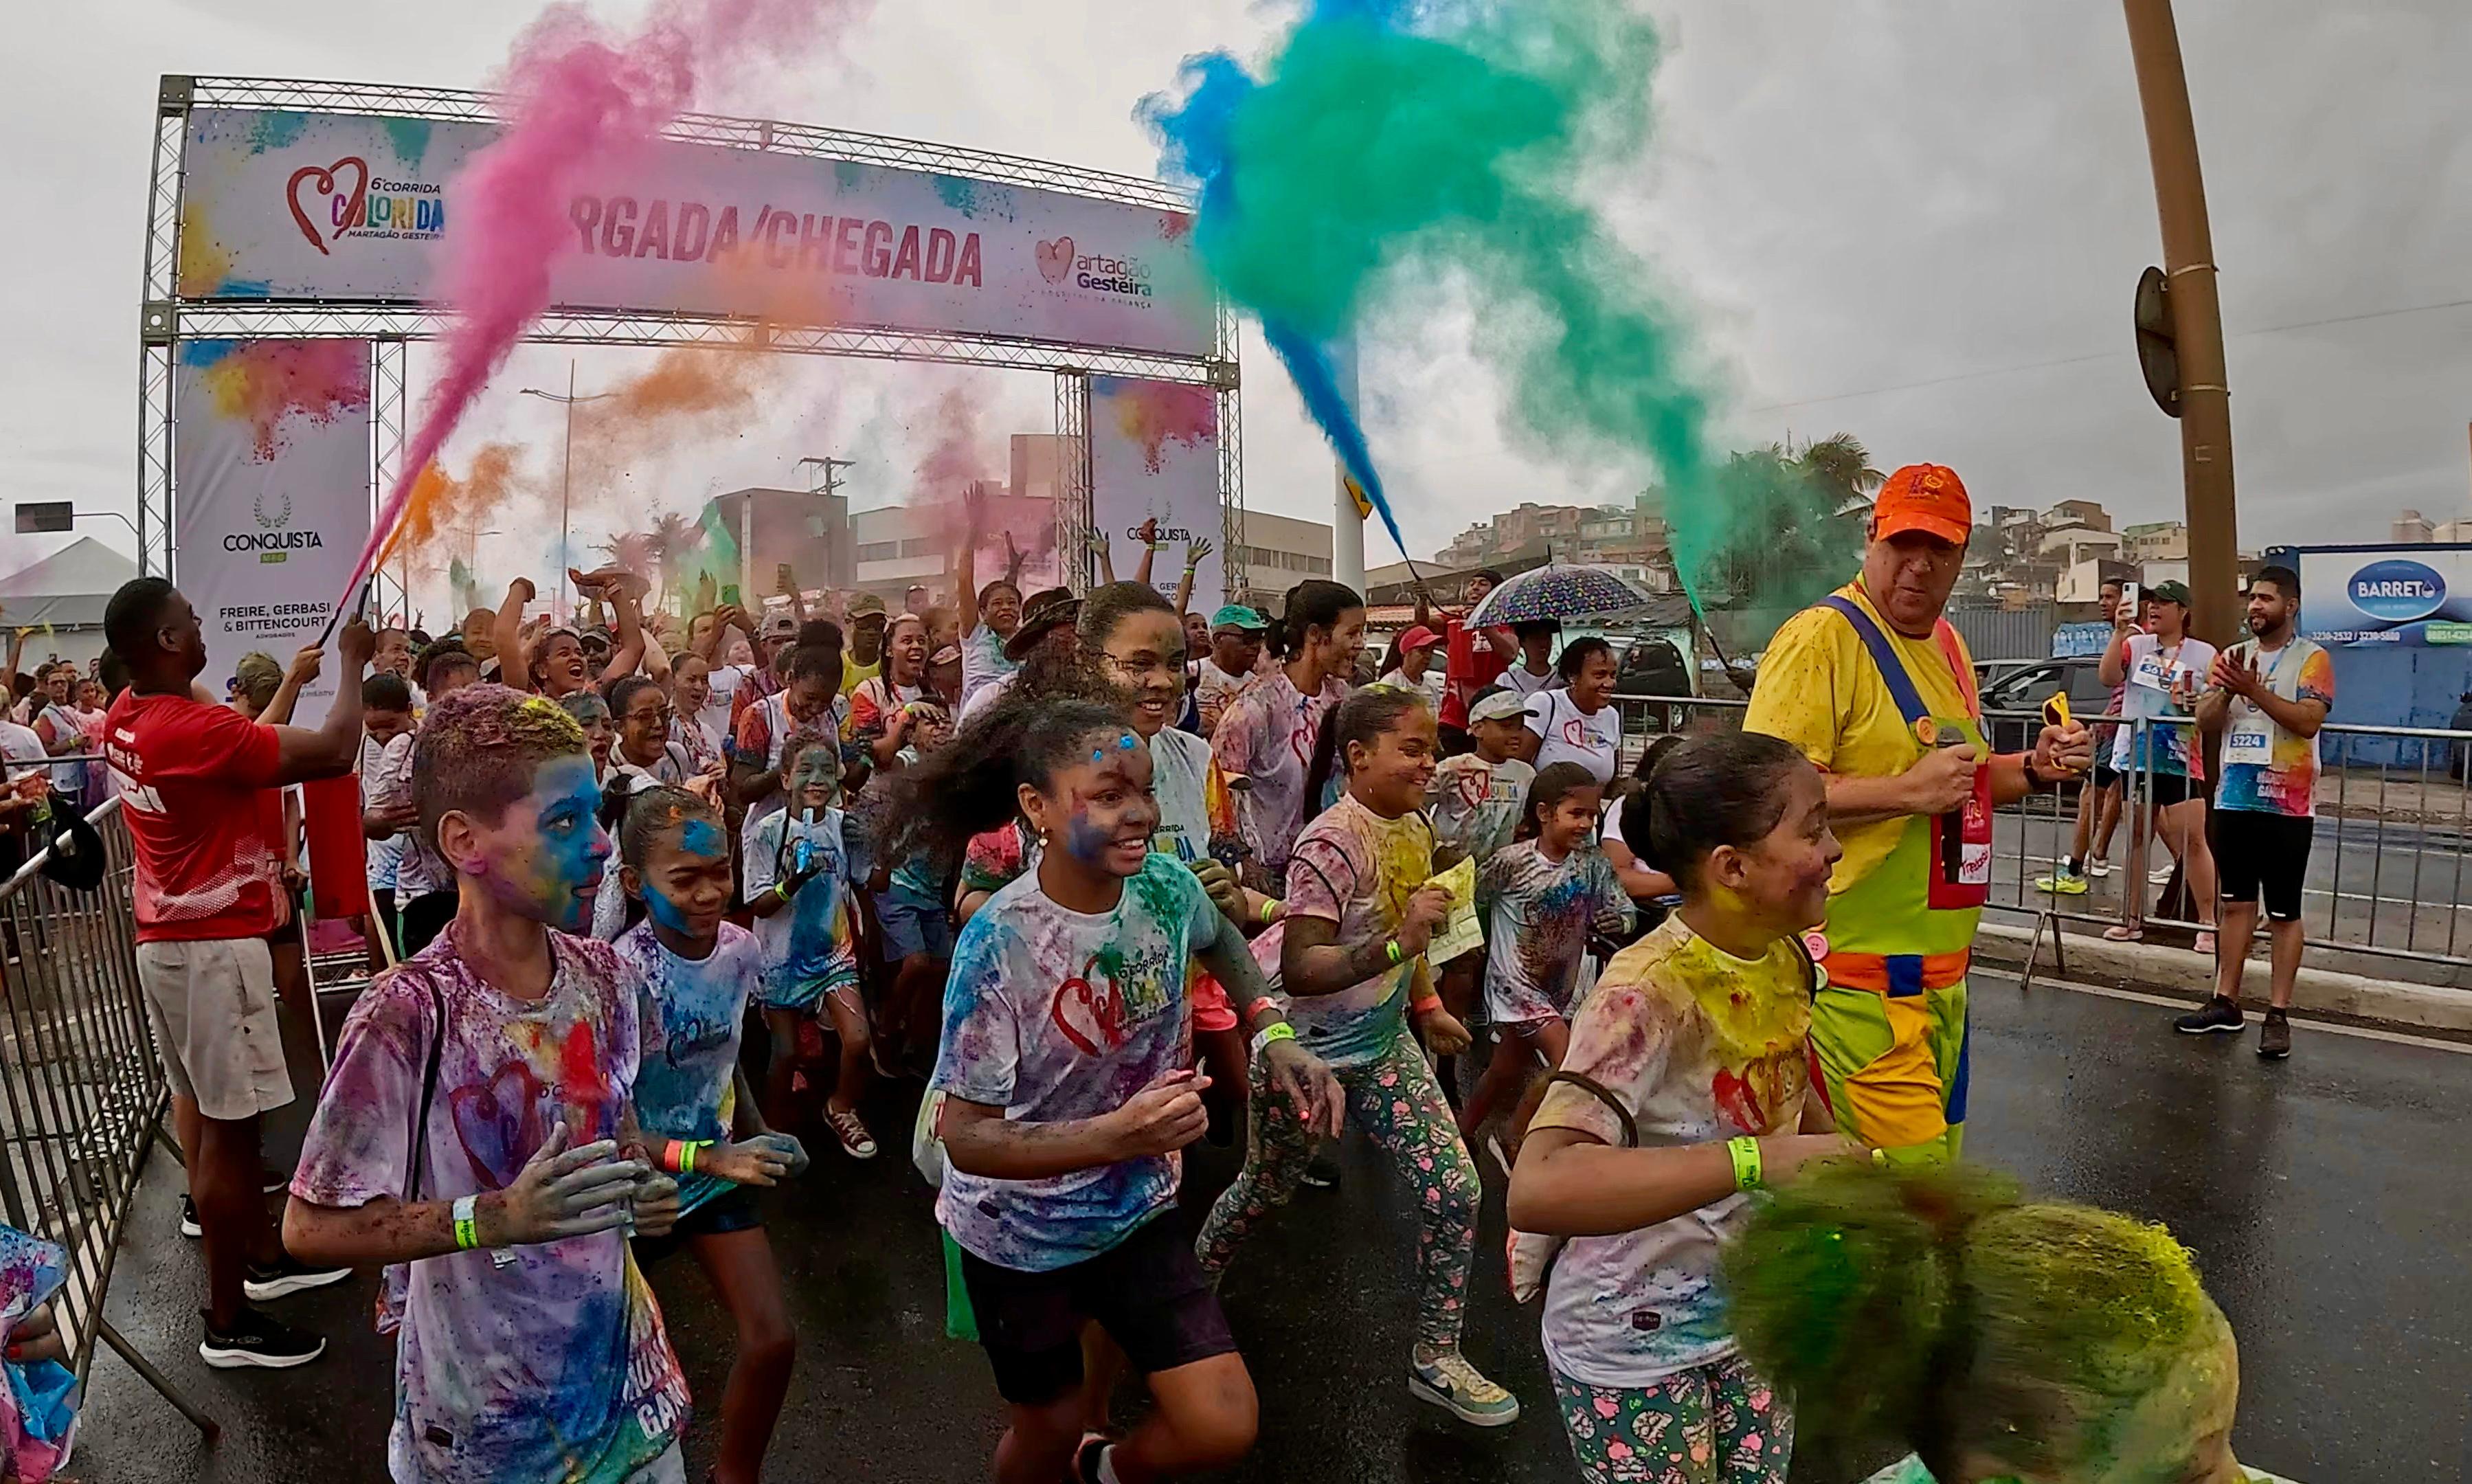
(1877, 689)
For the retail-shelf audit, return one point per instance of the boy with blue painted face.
(477, 1135)
(694, 1102)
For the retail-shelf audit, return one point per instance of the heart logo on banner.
(322, 182)
(1056, 259)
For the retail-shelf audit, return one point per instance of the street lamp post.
(565, 468)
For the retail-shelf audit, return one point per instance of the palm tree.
(1841, 465)
(674, 537)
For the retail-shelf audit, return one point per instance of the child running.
(694, 1102)
(1476, 796)
(1359, 916)
(1539, 899)
(1932, 1308)
(476, 1132)
(1065, 1065)
(797, 886)
(1682, 1090)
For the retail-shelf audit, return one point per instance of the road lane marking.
(2255, 1016)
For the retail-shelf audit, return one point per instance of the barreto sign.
(361, 208)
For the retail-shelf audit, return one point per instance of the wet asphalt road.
(2329, 1199)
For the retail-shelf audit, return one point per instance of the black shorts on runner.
(2164, 789)
(2105, 775)
(1148, 1292)
(734, 1209)
(2260, 853)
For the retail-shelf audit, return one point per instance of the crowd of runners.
(657, 901)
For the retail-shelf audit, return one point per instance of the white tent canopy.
(66, 591)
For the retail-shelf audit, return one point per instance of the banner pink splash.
(262, 382)
(1153, 414)
(577, 98)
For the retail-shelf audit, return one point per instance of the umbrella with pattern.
(1558, 591)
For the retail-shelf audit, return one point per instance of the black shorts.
(734, 1209)
(2105, 775)
(1148, 1292)
(2260, 853)
(2164, 789)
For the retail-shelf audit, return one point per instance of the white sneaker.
(2160, 876)
(1449, 1383)
(2098, 867)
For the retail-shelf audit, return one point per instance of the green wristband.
(468, 1228)
(1745, 1154)
(1391, 950)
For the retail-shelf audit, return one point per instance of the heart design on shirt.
(1475, 788)
(498, 1122)
(1092, 1018)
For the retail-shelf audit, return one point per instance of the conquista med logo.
(1062, 263)
(273, 541)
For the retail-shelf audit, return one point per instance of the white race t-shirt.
(1569, 734)
(1517, 680)
(715, 712)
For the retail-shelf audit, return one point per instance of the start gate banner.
(270, 454)
(1155, 453)
(357, 208)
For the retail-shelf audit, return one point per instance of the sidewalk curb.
(2162, 969)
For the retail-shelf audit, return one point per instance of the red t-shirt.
(1468, 666)
(189, 776)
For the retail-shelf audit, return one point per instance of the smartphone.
(2129, 600)
(729, 596)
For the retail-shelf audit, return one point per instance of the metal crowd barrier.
(82, 1093)
(2391, 856)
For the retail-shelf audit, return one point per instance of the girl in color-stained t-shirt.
(1538, 900)
(1064, 1065)
(692, 1101)
(1361, 911)
(1682, 1090)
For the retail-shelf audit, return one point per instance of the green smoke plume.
(1386, 144)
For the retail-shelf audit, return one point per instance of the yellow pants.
(1894, 1067)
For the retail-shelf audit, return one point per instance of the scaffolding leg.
(207, 1427)
(2035, 947)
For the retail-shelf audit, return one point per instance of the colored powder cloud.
(267, 382)
(1388, 146)
(1153, 414)
(580, 99)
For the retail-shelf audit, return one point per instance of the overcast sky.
(1915, 221)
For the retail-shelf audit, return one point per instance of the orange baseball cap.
(1925, 498)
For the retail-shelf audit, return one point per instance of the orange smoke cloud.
(444, 517)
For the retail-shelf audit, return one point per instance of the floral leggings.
(1398, 1105)
(1711, 1424)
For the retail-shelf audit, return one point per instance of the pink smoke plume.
(577, 98)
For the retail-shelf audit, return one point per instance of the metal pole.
(566, 484)
(2196, 320)
(1346, 526)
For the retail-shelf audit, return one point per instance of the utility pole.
(1347, 521)
(2205, 401)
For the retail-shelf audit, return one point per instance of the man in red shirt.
(190, 772)
(1470, 660)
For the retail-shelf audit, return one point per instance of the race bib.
(2152, 672)
(2249, 738)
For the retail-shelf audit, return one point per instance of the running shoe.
(288, 1275)
(2098, 868)
(1449, 1383)
(854, 1137)
(189, 1224)
(2220, 1016)
(273, 1182)
(2161, 875)
(258, 1340)
(2061, 882)
(1322, 1173)
(2274, 1037)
